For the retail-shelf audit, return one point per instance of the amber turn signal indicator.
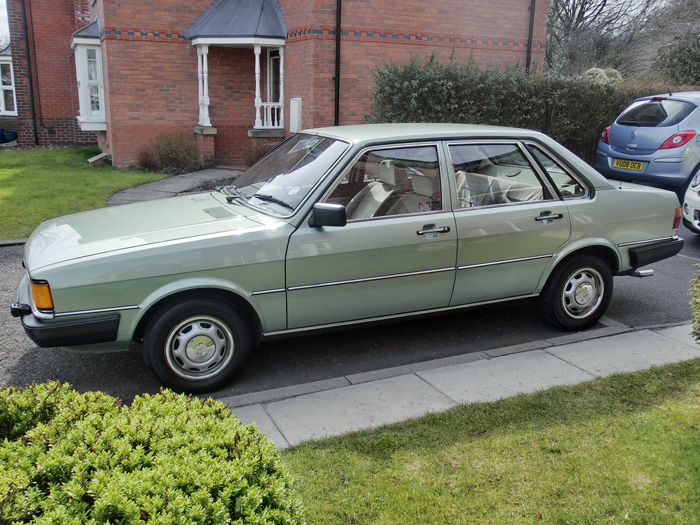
(41, 292)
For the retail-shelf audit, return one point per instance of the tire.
(197, 345)
(577, 293)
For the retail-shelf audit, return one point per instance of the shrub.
(78, 458)
(572, 110)
(171, 153)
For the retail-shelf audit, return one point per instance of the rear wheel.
(578, 293)
(197, 345)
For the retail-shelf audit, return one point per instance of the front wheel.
(578, 293)
(197, 345)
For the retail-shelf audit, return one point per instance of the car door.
(395, 255)
(510, 221)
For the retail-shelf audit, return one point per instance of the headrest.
(387, 172)
(422, 185)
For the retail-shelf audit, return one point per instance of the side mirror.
(327, 214)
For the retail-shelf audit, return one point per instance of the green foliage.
(573, 110)
(74, 458)
(596, 74)
(695, 303)
(681, 62)
(171, 153)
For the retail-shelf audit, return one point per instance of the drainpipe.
(528, 59)
(338, 9)
(29, 74)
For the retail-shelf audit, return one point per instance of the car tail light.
(677, 219)
(41, 293)
(605, 137)
(678, 140)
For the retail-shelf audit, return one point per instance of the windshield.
(281, 180)
(658, 112)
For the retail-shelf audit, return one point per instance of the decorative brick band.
(405, 36)
(112, 33)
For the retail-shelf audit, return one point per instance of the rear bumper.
(653, 252)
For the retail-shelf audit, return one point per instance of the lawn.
(624, 449)
(36, 185)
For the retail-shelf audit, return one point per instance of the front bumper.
(64, 332)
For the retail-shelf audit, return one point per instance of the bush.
(172, 153)
(74, 458)
(572, 110)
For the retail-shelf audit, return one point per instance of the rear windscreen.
(656, 113)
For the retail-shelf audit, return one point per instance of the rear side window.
(656, 113)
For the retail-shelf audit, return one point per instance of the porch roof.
(239, 19)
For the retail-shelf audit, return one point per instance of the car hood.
(134, 225)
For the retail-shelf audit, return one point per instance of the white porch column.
(203, 77)
(281, 52)
(258, 99)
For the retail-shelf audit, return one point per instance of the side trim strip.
(267, 292)
(649, 241)
(369, 279)
(98, 311)
(508, 261)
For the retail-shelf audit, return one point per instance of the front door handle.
(434, 230)
(547, 217)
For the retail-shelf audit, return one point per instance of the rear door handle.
(549, 217)
(441, 229)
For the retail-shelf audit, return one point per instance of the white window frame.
(87, 119)
(273, 84)
(5, 88)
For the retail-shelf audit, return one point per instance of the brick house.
(233, 72)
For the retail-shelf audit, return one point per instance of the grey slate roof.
(240, 19)
(7, 52)
(92, 30)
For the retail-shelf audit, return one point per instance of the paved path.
(307, 412)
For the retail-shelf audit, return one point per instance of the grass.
(624, 449)
(36, 185)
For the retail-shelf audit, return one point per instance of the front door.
(396, 254)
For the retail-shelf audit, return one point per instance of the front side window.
(8, 105)
(88, 65)
(493, 174)
(393, 181)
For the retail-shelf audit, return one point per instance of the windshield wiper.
(231, 193)
(274, 200)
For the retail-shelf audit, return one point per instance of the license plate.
(628, 164)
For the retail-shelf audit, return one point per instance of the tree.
(580, 33)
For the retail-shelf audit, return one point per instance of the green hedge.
(74, 458)
(572, 110)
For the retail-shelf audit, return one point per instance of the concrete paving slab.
(503, 377)
(275, 394)
(625, 353)
(256, 414)
(356, 407)
(682, 334)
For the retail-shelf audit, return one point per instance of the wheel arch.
(229, 297)
(605, 252)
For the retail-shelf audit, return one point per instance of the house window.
(273, 76)
(88, 65)
(8, 103)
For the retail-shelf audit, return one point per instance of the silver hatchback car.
(655, 141)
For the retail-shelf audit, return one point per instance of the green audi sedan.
(336, 227)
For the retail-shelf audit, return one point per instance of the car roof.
(689, 96)
(419, 131)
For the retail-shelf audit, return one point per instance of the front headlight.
(696, 181)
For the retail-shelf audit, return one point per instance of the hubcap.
(582, 293)
(199, 348)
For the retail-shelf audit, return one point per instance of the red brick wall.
(50, 23)
(374, 32)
